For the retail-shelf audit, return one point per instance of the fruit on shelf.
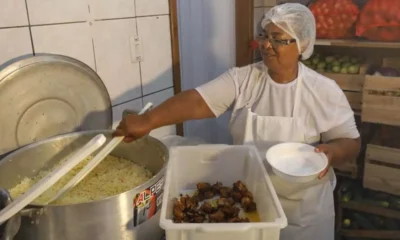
(379, 20)
(335, 19)
(335, 64)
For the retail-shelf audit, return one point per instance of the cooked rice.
(111, 177)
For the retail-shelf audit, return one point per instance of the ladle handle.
(94, 162)
(50, 179)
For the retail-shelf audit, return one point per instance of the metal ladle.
(93, 162)
(9, 229)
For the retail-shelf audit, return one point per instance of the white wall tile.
(304, 2)
(73, 40)
(270, 3)
(108, 9)
(264, 3)
(114, 61)
(258, 3)
(13, 13)
(135, 105)
(151, 7)
(258, 16)
(156, 66)
(257, 55)
(57, 11)
(14, 42)
(266, 9)
(157, 99)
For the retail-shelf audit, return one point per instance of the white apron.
(309, 207)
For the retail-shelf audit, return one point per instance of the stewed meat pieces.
(187, 209)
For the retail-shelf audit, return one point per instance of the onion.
(388, 72)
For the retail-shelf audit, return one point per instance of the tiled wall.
(261, 7)
(100, 33)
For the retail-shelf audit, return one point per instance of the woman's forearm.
(187, 105)
(345, 150)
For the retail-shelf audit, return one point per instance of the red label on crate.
(148, 202)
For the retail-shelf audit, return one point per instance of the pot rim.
(145, 185)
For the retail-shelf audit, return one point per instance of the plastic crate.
(227, 164)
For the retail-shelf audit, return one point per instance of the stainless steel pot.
(121, 217)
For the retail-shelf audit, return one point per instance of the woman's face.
(278, 49)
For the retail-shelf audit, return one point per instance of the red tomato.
(379, 19)
(385, 35)
(384, 7)
(334, 18)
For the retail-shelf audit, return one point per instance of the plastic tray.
(227, 164)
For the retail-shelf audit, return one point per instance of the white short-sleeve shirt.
(329, 108)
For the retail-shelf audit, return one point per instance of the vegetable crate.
(367, 214)
(348, 72)
(381, 96)
(352, 85)
(381, 100)
(350, 169)
(391, 62)
(382, 169)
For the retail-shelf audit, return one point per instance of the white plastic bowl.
(296, 162)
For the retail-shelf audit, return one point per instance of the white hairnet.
(297, 21)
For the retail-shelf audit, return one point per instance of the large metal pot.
(116, 218)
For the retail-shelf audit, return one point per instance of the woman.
(276, 100)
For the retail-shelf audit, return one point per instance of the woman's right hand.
(133, 126)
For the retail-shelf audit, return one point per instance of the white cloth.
(326, 104)
(308, 207)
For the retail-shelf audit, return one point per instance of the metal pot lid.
(48, 95)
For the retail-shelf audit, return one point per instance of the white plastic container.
(227, 164)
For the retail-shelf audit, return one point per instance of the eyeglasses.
(276, 43)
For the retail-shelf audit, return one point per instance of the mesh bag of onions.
(335, 19)
(380, 21)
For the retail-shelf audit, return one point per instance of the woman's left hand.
(329, 151)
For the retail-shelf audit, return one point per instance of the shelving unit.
(362, 207)
(353, 85)
(357, 43)
(370, 234)
(369, 209)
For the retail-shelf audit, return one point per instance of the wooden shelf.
(345, 174)
(348, 170)
(377, 234)
(357, 43)
(367, 208)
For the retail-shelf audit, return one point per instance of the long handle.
(94, 162)
(51, 178)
